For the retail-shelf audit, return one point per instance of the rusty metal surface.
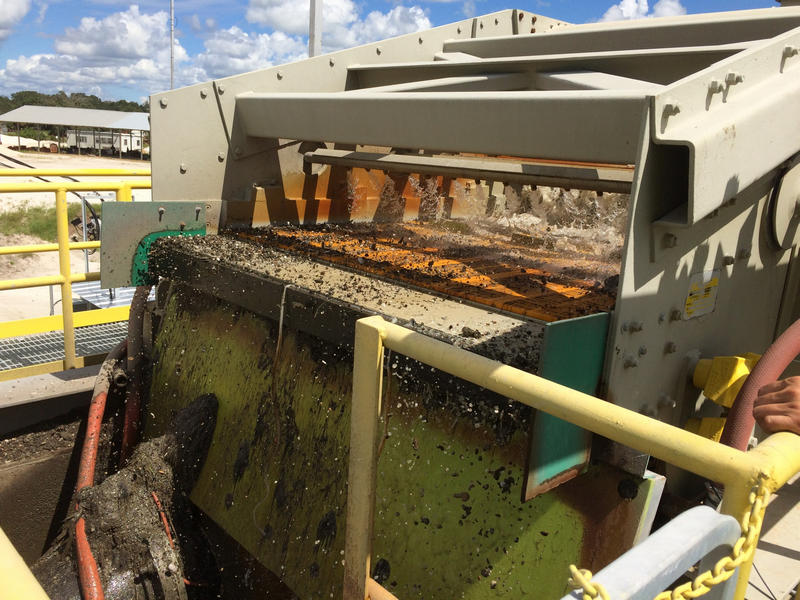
(503, 271)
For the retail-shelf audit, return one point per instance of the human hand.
(777, 406)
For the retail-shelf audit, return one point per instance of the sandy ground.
(35, 302)
(60, 161)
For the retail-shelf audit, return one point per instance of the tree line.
(75, 100)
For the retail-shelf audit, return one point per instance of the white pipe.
(315, 28)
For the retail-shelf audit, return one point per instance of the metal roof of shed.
(78, 117)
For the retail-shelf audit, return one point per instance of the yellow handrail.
(65, 278)
(773, 462)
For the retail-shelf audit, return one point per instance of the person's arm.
(777, 406)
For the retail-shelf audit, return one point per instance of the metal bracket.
(129, 230)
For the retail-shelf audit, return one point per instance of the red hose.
(91, 585)
(783, 351)
(133, 398)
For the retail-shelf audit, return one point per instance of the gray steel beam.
(661, 66)
(592, 80)
(469, 83)
(691, 30)
(600, 179)
(593, 126)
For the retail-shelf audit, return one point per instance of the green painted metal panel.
(573, 351)
(140, 272)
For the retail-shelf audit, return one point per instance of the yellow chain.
(582, 578)
(723, 570)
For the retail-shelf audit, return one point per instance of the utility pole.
(315, 28)
(172, 44)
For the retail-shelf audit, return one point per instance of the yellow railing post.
(124, 194)
(62, 232)
(362, 472)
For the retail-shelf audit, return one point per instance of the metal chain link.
(724, 568)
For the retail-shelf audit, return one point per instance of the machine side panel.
(653, 338)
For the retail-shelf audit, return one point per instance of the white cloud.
(639, 9)
(668, 8)
(11, 13)
(124, 35)
(232, 51)
(130, 48)
(42, 12)
(127, 48)
(342, 24)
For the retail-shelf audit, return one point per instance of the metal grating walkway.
(41, 348)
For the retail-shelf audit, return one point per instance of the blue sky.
(118, 49)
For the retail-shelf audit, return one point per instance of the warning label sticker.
(702, 297)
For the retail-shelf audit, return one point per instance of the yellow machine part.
(707, 427)
(722, 377)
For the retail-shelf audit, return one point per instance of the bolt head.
(728, 260)
(279, 74)
(237, 151)
(670, 240)
(163, 103)
(331, 62)
(182, 168)
(378, 50)
(221, 89)
(203, 93)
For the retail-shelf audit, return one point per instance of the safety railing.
(67, 320)
(748, 477)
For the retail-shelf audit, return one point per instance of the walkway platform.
(41, 348)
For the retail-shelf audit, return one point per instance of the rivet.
(671, 108)
(163, 103)
(378, 50)
(728, 260)
(670, 240)
(732, 78)
(331, 62)
(419, 39)
(670, 348)
(458, 30)
(497, 21)
(630, 362)
(220, 156)
(221, 89)
(634, 326)
(480, 24)
(203, 93)
(279, 74)
(182, 168)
